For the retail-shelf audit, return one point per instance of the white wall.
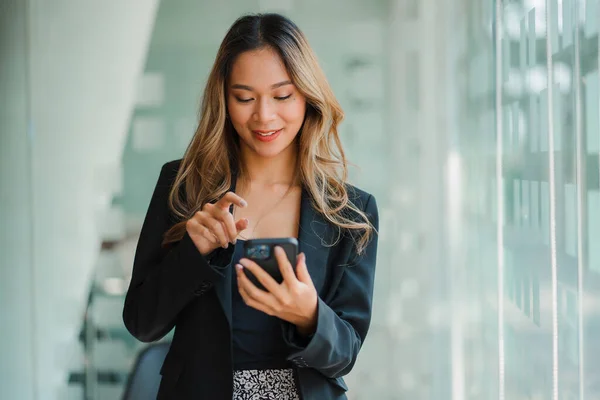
(84, 60)
(16, 303)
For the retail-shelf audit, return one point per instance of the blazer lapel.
(223, 288)
(315, 236)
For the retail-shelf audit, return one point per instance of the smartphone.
(262, 252)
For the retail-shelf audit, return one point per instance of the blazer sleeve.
(342, 324)
(164, 280)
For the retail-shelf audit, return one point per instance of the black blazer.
(178, 287)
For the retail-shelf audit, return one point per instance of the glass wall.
(530, 153)
(475, 123)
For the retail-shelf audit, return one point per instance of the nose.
(264, 111)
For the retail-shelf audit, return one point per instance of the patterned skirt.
(266, 384)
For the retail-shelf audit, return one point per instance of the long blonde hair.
(205, 173)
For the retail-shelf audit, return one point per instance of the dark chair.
(144, 380)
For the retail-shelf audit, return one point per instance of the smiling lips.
(267, 136)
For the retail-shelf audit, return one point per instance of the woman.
(266, 161)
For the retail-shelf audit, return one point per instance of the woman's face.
(265, 108)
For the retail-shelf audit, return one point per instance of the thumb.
(242, 224)
(302, 270)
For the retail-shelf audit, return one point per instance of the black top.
(257, 337)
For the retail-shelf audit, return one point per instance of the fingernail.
(243, 203)
(239, 267)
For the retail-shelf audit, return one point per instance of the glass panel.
(588, 129)
(477, 147)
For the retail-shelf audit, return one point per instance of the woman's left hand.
(294, 300)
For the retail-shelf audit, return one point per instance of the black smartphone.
(262, 252)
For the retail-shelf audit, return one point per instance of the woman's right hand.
(214, 226)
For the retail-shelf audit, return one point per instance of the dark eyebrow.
(249, 88)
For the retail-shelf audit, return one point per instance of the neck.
(278, 170)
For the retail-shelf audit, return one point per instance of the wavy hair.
(212, 156)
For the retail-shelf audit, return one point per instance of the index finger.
(230, 198)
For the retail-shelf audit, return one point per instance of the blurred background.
(475, 123)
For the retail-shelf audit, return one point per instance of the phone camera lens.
(263, 252)
(260, 252)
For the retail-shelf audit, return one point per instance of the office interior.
(475, 123)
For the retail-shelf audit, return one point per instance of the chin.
(268, 153)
